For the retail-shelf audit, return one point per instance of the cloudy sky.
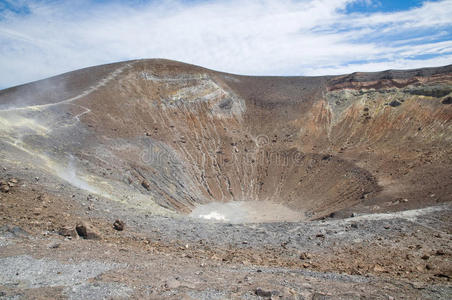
(41, 38)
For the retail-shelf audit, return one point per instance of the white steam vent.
(246, 212)
(69, 174)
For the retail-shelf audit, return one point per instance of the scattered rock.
(42, 198)
(442, 275)
(91, 197)
(440, 252)
(326, 157)
(146, 184)
(394, 103)
(67, 231)
(378, 268)
(87, 231)
(318, 296)
(172, 284)
(447, 100)
(54, 245)
(425, 257)
(418, 285)
(354, 225)
(262, 293)
(284, 244)
(320, 235)
(118, 225)
(305, 255)
(4, 188)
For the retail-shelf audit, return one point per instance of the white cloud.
(379, 66)
(274, 37)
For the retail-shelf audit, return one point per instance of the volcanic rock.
(394, 103)
(4, 188)
(87, 231)
(146, 184)
(318, 296)
(442, 275)
(68, 231)
(263, 293)
(447, 100)
(118, 225)
(305, 255)
(54, 245)
(440, 252)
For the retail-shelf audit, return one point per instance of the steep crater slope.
(165, 136)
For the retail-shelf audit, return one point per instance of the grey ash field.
(154, 179)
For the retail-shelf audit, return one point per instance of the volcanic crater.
(161, 132)
(192, 179)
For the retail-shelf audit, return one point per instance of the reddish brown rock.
(118, 225)
(146, 184)
(87, 231)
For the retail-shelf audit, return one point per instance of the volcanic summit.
(196, 153)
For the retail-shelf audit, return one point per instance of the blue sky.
(42, 38)
(383, 6)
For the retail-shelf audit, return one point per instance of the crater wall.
(179, 136)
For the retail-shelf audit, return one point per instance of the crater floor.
(246, 212)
